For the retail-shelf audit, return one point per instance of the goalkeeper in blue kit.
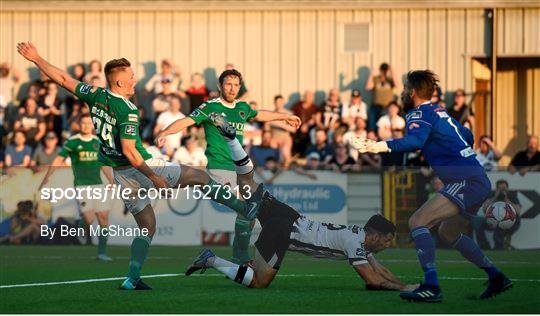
(447, 147)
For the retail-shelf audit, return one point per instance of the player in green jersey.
(82, 149)
(116, 121)
(220, 164)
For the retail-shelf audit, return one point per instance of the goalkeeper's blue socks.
(425, 249)
(470, 251)
(242, 236)
(139, 252)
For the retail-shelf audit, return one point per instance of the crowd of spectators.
(37, 117)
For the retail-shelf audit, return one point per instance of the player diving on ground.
(284, 229)
(116, 121)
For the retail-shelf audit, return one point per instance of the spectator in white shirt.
(488, 155)
(390, 121)
(167, 118)
(359, 131)
(355, 108)
(191, 154)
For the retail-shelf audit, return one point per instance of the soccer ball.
(501, 215)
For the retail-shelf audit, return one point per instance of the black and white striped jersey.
(322, 240)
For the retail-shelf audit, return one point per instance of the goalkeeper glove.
(364, 145)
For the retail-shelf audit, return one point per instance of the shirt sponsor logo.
(130, 130)
(133, 118)
(85, 89)
(442, 114)
(415, 115)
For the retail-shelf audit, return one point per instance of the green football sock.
(220, 195)
(139, 251)
(242, 236)
(102, 241)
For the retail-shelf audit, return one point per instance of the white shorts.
(222, 176)
(133, 179)
(87, 204)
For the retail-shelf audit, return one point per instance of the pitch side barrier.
(407, 189)
(322, 195)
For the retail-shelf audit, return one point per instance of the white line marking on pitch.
(219, 275)
(415, 261)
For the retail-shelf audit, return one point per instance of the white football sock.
(238, 273)
(244, 165)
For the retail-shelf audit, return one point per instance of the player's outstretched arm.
(176, 127)
(379, 278)
(268, 116)
(374, 281)
(57, 162)
(383, 272)
(364, 145)
(29, 51)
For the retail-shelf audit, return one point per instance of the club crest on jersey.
(133, 118)
(415, 115)
(242, 114)
(85, 89)
(130, 130)
(95, 146)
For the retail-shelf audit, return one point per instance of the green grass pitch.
(303, 284)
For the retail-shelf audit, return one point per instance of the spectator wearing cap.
(260, 153)
(313, 162)
(488, 155)
(197, 92)
(191, 154)
(321, 147)
(95, 70)
(389, 122)
(18, 154)
(243, 93)
(281, 131)
(383, 85)
(306, 110)
(168, 71)
(460, 111)
(31, 123)
(526, 160)
(166, 118)
(46, 152)
(355, 108)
